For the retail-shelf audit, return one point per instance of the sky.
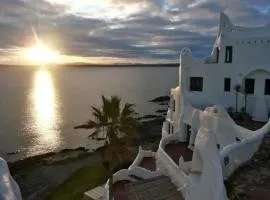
(119, 31)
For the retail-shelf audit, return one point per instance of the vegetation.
(245, 93)
(81, 181)
(235, 192)
(116, 127)
(237, 90)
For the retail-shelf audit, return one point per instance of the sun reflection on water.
(45, 113)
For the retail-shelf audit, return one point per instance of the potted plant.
(244, 115)
(237, 90)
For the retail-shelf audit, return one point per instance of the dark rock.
(161, 111)
(150, 117)
(161, 99)
(254, 175)
(164, 104)
(81, 149)
(14, 152)
(84, 126)
(237, 139)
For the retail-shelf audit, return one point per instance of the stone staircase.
(158, 188)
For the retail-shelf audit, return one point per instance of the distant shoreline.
(99, 65)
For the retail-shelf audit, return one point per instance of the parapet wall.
(9, 189)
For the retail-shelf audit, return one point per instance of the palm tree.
(237, 90)
(116, 127)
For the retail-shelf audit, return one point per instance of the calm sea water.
(39, 107)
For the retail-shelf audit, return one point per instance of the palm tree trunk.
(111, 187)
(236, 102)
(107, 167)
(245, 102)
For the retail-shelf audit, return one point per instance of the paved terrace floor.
(158, 188)
(254, 176)
(148, 163)
(119, 190)
(175, 150)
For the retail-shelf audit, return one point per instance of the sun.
(41, 54)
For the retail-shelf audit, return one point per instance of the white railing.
(165, 128)
(126, 174)
(141, 154)
(169, 139)
(185, 166)
(236, 154)
(168, 167)
(169, 116)
(9, 189)
(106, 195)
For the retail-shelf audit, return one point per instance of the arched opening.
(255, 88)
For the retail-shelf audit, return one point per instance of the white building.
(240, 56)
(201, 145)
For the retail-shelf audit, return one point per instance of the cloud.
(124, 30)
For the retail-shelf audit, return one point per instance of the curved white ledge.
(9, 189)
(141, 154)
(167, 166)
(126, 174)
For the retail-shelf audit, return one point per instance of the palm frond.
(117, 127)
(106, 106)
(93, 124)
(93, 135)
(115, 108)
(99, 115)
(83, 126)
(128, 108)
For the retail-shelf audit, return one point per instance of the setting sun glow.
(41, 54)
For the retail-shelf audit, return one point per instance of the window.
(172, 103)
(249, 85)
(228, 55)
(196, 84)
(267, 87)
(217, 51)
(226, 160)
(227, 84)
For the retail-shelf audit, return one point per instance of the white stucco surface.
(9, 190)
(250, 59)
(206, 182)
(200, 118)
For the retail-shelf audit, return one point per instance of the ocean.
(39, 106)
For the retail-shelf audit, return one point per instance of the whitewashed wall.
(9, 190)
(250, 59)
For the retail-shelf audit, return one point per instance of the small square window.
(173, 105)
(267, 87)
(227, 84)
(226, 160)
(228, 54)
(249, 85)
(196, 84)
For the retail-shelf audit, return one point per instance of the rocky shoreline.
(37, 176)
(252, 180)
